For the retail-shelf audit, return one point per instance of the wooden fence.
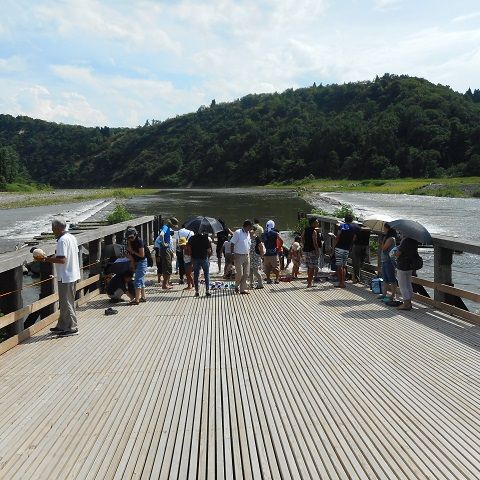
(446, 296)
(19, 320)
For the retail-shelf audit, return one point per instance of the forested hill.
(394, 126)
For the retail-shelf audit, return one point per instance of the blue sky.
(120, 62)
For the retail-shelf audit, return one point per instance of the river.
(443, 216)
(454, 217)
(233, 205)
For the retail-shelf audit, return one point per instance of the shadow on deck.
(283, 383)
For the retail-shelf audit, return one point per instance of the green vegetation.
(51, 198)
(452, 187)
(119, 214)
(27, 187)
(389, 128)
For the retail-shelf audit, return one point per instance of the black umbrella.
(203, 225)
(113, 250)
(412, 229)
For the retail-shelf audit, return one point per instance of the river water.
(453, 217)
(233, 205)
(20, 224)
(442, 216)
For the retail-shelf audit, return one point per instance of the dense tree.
(10, 168)
(393, 126)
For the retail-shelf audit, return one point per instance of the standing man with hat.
(165, 245)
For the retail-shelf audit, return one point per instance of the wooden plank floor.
(287, 382)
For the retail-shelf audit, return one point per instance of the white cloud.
(386, 4)
(12, 64)
(38, 102)
(128, 60)
(464, 18)
(136, 28)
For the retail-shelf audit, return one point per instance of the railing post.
(442, 271)
(379, 253)
(80, 265)
(149, 233)
(47, 288)
(12, 281)
(94, 257)
(156, 225)
(144, 234)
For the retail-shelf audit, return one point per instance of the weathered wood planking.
(283, 383)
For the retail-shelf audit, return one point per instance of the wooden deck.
(283, 383)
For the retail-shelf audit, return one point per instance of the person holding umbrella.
(406, 253)
(388, 268)
(408, 259)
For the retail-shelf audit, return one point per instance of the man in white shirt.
(241, 248)
(68, 272)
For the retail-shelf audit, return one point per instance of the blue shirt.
(164, 239)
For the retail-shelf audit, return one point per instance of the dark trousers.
(180, 264)
(359, 254)
(197, 264)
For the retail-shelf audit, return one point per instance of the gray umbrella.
(413, 229)
(203, 225)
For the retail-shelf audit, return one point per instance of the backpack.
(417, 263)
(257, 245)
(148, 255)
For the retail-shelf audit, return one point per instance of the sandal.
(143, 300)
(134, 302)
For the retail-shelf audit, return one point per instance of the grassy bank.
(35, 199)
(440, 187)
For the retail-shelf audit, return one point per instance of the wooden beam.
(29, 332)
(11, 285)
(86, 282)
(22, 312)
(445, 307)
(474, 297)
(15, 259)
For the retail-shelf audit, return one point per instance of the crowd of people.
(253, 255)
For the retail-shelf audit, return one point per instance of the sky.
(121, 62)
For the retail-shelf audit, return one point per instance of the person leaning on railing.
(68, 272)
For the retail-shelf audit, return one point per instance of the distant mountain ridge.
(393, 126)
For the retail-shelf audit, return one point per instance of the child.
(295, 255)
(187, 260)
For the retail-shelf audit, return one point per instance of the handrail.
(18, 258)
(446, 295)
(17, 316)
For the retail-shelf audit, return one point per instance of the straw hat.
(182, 241)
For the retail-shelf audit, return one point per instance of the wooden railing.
(446, 296)
(19, 321)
